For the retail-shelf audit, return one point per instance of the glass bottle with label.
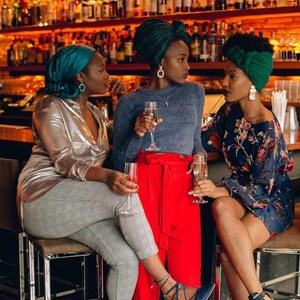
(128, 47)
(4, 15)
(195, 43)
(204, 49)
(213, 42)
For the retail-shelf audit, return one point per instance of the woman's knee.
(220, 206)
(124, 259)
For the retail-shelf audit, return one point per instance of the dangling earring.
(252, 93)
(160, 72)
(81, 87)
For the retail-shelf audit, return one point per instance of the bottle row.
(116, 46)
(46, 12)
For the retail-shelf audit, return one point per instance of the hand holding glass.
(151, 107)
(130, 173)
(200, 172)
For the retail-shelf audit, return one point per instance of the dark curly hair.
(248, 42)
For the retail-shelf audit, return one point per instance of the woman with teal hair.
(255, 202)
(164, 177)
(66, 191)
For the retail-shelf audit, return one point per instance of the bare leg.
(240, 233)
(155, 267)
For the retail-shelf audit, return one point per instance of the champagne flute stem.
(152, 138)
(129, 202)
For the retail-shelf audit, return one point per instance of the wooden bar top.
(24, 134)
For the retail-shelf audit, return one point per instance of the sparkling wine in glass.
(151, 107)
(130, 173)
(200, 172)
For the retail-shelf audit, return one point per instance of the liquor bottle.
(239, 4)
(78, 11)
(162, 7)
(105, 9)
(221, 39)
(129, 8)
(91, 10)
(113, 53)
(220, 5)
(98, 9)
(210, 5)
(195, 43)
(71, 11)
(121, 9)
(4, 15)
(178, 6)
(113, 9)
(204, 49)
(275, 43)
(121, 51)
(11, 56)
(230, 4)
(170, 7)
(16, 21)
(146, 7)
(213, 42)
(128, 47)
(239, 27)
(137, 8)
(187, 5)
(85, 11)
(250, 4)
(153, 8)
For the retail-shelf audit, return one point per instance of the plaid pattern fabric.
(85, 211)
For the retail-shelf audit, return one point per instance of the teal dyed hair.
(63, 67)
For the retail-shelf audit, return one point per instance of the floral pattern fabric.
(259, 161)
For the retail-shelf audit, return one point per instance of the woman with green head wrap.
(65, 188)
(255, 202)
(164, 177)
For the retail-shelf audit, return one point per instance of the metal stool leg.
(31, 271)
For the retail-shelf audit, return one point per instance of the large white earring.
(81, 87)
(252, 93)
(160, 72)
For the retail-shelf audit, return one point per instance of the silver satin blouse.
(64, 146)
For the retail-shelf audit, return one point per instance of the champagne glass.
(151, 107)
(130, 173)
(200, 172)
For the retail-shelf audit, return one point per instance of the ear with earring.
(160, 72)
(252, 93)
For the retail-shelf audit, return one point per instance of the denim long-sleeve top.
(64, 146)
(180, 107)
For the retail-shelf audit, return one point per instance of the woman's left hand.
(204, 187)
(207, 188)
(117, 86)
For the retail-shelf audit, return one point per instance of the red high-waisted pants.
(173, 217)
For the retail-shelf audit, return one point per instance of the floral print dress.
(258, 159)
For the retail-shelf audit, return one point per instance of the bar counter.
(23, 134)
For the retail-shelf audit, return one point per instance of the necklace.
(166, 100)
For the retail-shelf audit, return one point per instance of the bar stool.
(287, 242)
(33, 250)
(52, 249)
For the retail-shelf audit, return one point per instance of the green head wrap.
(153, 38)
(63, 67)
(258, 66)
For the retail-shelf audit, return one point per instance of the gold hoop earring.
(160, 72)
(81, 87)
(252, 93)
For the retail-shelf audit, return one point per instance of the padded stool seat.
(60, 246)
